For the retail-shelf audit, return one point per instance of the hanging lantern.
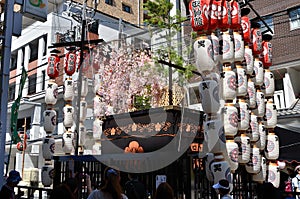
(97, 148)
(229, 84)
(272, 148)
(68, 90)
(51, 93)
(271, 114)
(49, 121)
(230, 119)
(227, 47)
(68, 116)
(199, 10)
(214, 135)
(70, 63)
(83, 110)
(82, 134)
(209, 159)
(235, 15)
(254, 133)
(47, 175)
(249, 60)
(243, 142)
(261, 106)
(274, 174)
(254, 165)
(68, 140)
(261, 143)
(266, 57)
(98, 106)
(220, 169)
(21, 146)
(269, 83)
(84, 87)
(244, 115)
(209, 94)
(203, 53)
(216, 48)
(48, 147)
(224, 16)
(256, 38)
(242, 83)
(251, 93)
(259, 72)
(246, 26)
(233, 154)
(97, 128)
(53, 65)
(239, 48)
(262, 174)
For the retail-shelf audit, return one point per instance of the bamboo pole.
(24, 147)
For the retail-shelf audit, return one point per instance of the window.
(294, 15)
(11, 91)
(43, 79)
(109, 2)
(126, 8)
(14, 60)
(32, 84)
(45, 45)
(269, 21)
(33, 50)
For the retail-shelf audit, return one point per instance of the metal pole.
(4, 75)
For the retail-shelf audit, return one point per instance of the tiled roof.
(293, 111)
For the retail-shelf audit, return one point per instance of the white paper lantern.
(83, 110)
(262, 174)
(251, 93)
(259, 72)
(254, 133)
(244, 148)
(230, 119)
(271, 114)
(269, 83)
(261, 106)
(48, 148)
(209, 94)
(244, 115)
(261, 143)
(227, 47)
(84, 87)
(239, 48)
(68, 116)
(209, 159)
(97, 148)
(68, 142)
(82, 134)
(274, 174)
(68, 90)
(97, 128)
(220, 169)
(47, 175)
(254, 165)
(214, 135)
(51, 93)
(242, 84)
(233, 154)
(99, 106)
(216, 47)
(228, 84)
(272, 148)
(49, 121)
(249, 60)
(203, 53)
(281, 164)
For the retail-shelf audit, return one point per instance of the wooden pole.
(24, 147)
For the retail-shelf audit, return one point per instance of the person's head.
(222, 187)
(112, 183)
(164, 191)
(13, 178)
(132, 176)
(297, 169)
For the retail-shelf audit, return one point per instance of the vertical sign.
(36, 9)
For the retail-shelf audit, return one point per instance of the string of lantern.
(236, 91)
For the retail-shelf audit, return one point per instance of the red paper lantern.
(256, 39)
(21, 146)
(246, 26)
(224, 15)
(70, 63)
(267, 54)
(199, 13)
(235, 15)
(53, 66)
